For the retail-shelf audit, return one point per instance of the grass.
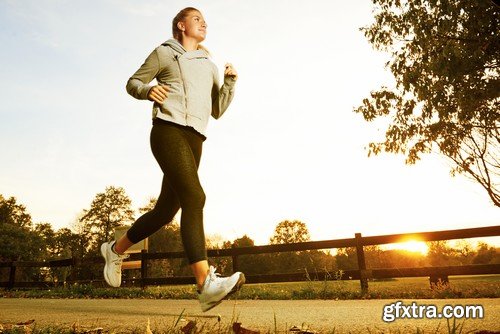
(485, 286)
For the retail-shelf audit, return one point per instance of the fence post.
(73, 270)
(437, 279)
(144, 267)
(361, 263)
(12, 275)
(234, 260)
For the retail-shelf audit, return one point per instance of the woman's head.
(190, 23)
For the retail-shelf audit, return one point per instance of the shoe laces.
(212, 274)
(118, 262)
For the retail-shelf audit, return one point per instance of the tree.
(287, 232)
(253, 264)
(295, 231)
(485, 254)
(108, 210)
(66, 243)
(149, 206)
(65, 246)
(18, 240)
(445, 61)
(440, 253)
(464, 251)
(14, 214)
(346, 258)
(47, 240)
(244, 241)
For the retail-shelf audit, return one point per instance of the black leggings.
(177, 150)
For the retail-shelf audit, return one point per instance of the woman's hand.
(158, 93)
(229, 71)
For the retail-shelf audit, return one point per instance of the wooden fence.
(362, 274)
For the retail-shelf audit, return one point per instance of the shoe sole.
(236, 287)
(103, 253)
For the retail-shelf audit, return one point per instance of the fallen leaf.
(189, 327)
(297, 330)
(237, 329)
(20, 327)
(97, 330)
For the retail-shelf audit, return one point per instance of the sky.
(289, 146)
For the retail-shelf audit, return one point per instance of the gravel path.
(345, 316)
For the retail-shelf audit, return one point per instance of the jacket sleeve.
(221, 96)
(138, 85)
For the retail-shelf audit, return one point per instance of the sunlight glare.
(411, 246)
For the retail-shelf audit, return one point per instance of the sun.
(411, 246)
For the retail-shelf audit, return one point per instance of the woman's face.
(195, 26)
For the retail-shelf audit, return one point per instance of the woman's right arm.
(138, 85)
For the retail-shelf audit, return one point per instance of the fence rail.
(362, 274)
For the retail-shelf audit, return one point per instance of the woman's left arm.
(222, 96)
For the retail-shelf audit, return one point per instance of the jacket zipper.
(183, 83)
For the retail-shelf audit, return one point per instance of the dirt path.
(343, 315)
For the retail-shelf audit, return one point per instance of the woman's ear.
(181, 26)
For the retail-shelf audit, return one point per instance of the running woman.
(187, 93)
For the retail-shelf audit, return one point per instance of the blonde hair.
(181, 16)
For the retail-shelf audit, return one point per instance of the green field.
(484, 286)
(460, 287)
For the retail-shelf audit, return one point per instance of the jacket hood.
(177, 47)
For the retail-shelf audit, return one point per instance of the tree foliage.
(14, 214)
(148, 206)
(18, 240)
(108, 210)
(445, 61)
(486, 254)
(287, 232)
(253, 264)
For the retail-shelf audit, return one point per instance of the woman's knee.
(194, 199)
(200, 197)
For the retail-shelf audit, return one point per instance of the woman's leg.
(164, 211)
(178, 152)
(200, 271)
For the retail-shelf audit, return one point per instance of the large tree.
(288, 231)
(445, 61)
(254, 263)
(108, 210)
(13, 213)
(18, 239)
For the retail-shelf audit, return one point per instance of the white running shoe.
(113, 266)
(216, 288)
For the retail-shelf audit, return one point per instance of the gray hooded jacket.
(193, 82)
